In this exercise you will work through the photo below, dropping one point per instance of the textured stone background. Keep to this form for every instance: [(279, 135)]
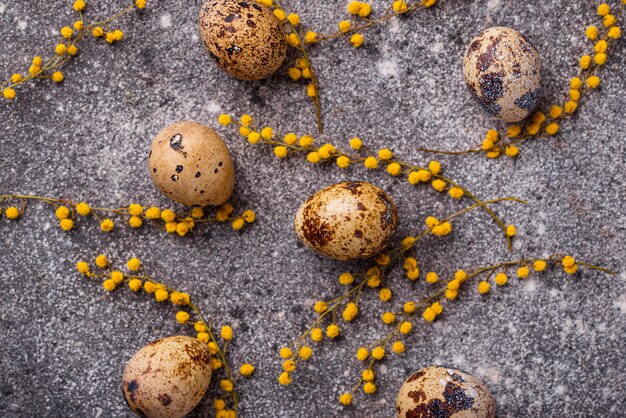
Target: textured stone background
[(550, 346)]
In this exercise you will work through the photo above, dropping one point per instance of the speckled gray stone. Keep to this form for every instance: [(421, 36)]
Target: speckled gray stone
[(550, 346)]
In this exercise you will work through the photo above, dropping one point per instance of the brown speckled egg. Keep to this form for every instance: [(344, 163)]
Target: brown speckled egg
[(243, 37), (167, 378), (503, 72), (191, 164), (438, 391), (347, 220)]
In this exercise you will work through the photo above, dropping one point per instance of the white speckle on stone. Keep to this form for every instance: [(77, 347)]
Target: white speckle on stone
[(554, 293), (2, 7), (213, 107), (309, 303), (559, 390), (46, 226), (530, 285), (165, 20), (492, 4), (458, 359), (437, 48), (280, 315), (541, 229), (620, 303), (194, 37), (383, 369), (388, 68), (98, 413), (394, 26), (518, 242), (21, 24), (347, 373)]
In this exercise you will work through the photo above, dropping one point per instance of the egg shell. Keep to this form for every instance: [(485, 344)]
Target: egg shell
[(243, 37), (438, 391), (347, 220), (168, 377), (503, 73), (191, 164)]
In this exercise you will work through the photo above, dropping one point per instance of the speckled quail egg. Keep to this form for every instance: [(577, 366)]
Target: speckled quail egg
[(191, 164), (347, 220), (243, 37), (438, 391), (503, 72), (167, 378)]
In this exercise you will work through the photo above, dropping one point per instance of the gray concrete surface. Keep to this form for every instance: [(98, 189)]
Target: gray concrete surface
[(551, 346)]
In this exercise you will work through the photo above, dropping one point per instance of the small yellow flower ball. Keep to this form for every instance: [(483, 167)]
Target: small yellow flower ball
[(182, 317), (66, 32), (79, 5), (286, 353), (227, 333), (60, 49), (83, 268), (371, 163), (135, 222), (356, 40), (388, 318), (593, 81), (66, 224), (344, 26), (226, 385), (161, 295), (432, 277), (320, 307), (539, 265), (280, 151), (345, 399), (394, 169), (346, 279), (109, 285), (429, 315), (614, 33), (369, 388), (62, 212), (246, 370), (405, 327), (398, 347), (523, 272), (317, 334), (501, 279), (604, 9), (284, 378), (343, 161), (134, 264), (483, 287), (117, 277), (238, 224), (135, 285), (97, 32), (511, 230), (151, 287), (107, 225), (305, 352), (83, 209), (362, 354), (332, 331), (368, 375), (140, 4), (552, 128), (592, 32)]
